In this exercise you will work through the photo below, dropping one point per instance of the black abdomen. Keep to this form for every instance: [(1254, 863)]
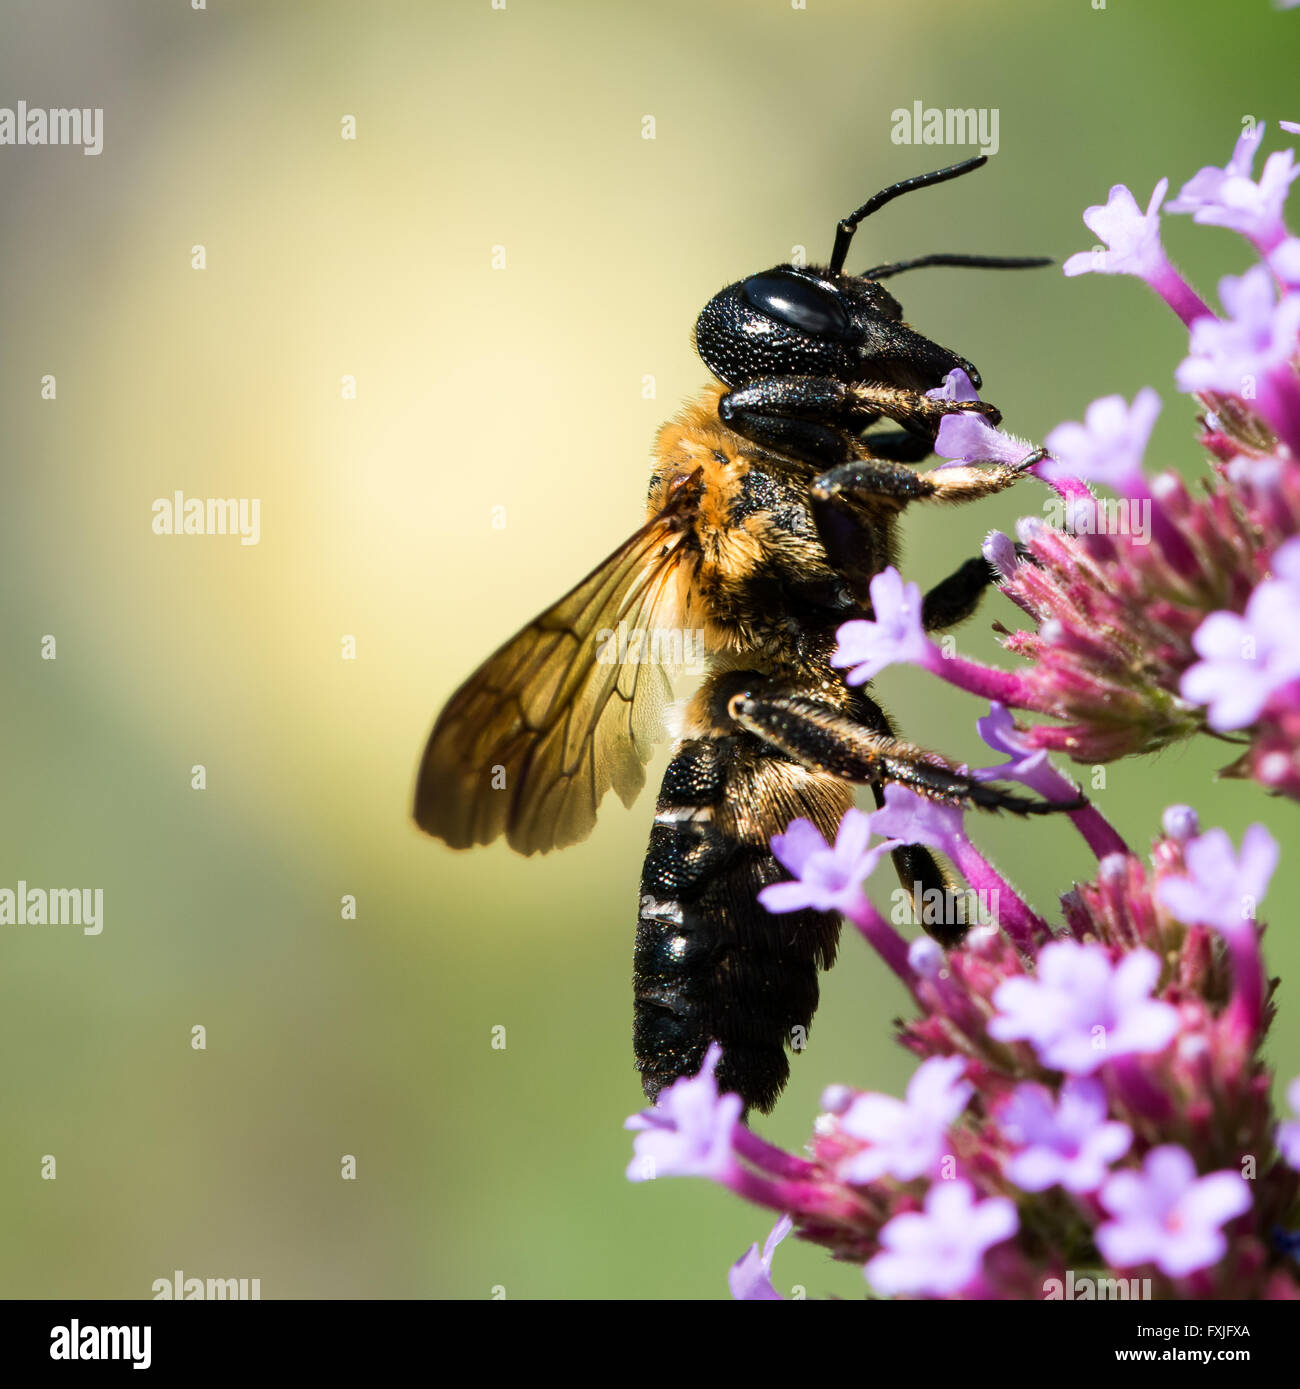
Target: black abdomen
[(711, 964)]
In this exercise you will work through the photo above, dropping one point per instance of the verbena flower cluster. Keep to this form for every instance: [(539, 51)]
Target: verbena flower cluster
[(1164, 610), (1090, 1097)]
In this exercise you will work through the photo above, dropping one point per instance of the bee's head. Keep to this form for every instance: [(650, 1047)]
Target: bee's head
[(811, 321), (818, 321)]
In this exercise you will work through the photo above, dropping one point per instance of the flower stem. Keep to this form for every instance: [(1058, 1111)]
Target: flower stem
[(1179, 295)]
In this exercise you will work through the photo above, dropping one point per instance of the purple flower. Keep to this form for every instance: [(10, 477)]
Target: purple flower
[(970, 438), (908, 1137), (1027, 764), (1131, 236), (909, 818), (1248, 658), (956, 386), (1288, 1132), (941, 1250), (1284, 261), (926, 957), (1070, 1145), (750, 1278), (1204, 187), (1000, 551), (1220, 889), (1229, 197), (689, 1131), (1081, 1011), (1133, 247), (825, 879), (1249, 353), (1180, 822), (1167, 1216), (837, 1098), (895, 635), (1108, 446)]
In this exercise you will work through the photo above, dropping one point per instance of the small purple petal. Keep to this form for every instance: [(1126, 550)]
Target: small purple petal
[(826, 879), (1108, 446), (1000, 551), (956, 386), (1247, 659), (1288, 1132), (1070, 1144), (1165, 1215), (750, 1278), (689, 1131), (1131, 236), (1081, 1011), (1220, 888), (926, 957), (908, 818), (896, 634), (940, 1250), (906, 1138), (1180, 822), (969, 438)]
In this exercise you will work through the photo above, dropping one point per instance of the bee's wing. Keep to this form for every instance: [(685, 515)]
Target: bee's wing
[(530, 743)]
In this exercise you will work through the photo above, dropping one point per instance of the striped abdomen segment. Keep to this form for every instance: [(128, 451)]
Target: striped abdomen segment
[(711, 964)]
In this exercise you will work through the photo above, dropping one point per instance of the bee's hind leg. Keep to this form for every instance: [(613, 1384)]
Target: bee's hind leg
[(827, 739), (920, 873), (866, 752)]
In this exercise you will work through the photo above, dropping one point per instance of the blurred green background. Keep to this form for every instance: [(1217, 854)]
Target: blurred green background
[(477, 388)]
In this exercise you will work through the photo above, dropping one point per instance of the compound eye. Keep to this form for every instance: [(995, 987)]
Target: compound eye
[(799, 303)]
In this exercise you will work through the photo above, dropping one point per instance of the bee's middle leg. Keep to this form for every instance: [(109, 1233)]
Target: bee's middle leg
[(917, 868), (954, 599), (867, 479)]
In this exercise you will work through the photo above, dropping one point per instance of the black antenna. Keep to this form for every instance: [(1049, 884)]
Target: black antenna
[(844, 232), (883, 272)]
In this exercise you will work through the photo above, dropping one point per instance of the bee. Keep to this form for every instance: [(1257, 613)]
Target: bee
[(772, 505)]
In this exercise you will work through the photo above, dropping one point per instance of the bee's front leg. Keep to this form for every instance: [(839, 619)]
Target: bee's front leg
[(915, 410), (814, 418), (809, 418)]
